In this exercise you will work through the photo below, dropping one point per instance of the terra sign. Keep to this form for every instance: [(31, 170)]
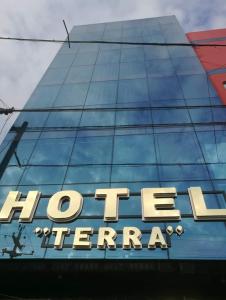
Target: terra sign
[(157, 205)]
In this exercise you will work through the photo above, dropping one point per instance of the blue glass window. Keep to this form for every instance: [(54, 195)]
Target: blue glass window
[(93, 207), (178, 51), (43, 96), (23, 151), (110, 47), (167, 20), (199, 235), (194, 86), (182, 202), (187, 65), (134, 205), (98, 118), (42, 175), (86, 188), (215, 101), (4, 190), (113, 26), (132, 117), (72, 95), (152, 24), (131, 32), (201, 115), (80, 74), (63, 119), (178, 148), (54, 76), (66, 50), (52, 151), (217, 171), (134, 173), (214, 201), (31, 244), (132, 70), (165, 88), (112, 35), (108, 57), (182, 172), (87, 36), (42, 207), (11, 176), (4, 146), (86, 174), (45, 189), (155, 52), (132, 55), (173, 33), (210, 149), (88, 47), (198, 102), (221, 145), (134, 42), (92, 150), (133, 90), (134, 149), (62, 61), (170, 116), (102, 93), (106, 72), (86, 58), (34, 119), (160, 67), (219, 114)]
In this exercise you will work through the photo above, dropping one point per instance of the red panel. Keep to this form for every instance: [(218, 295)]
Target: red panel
[(212, 57), (203, 35), (217, 81)]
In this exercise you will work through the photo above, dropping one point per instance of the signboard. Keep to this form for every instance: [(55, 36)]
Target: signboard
[(158, 205)]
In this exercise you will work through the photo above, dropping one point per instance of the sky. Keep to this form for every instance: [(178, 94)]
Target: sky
[(23, 64)]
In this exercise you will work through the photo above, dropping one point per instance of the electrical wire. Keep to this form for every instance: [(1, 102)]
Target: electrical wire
[(115, 164), (110, 127), (94, 109), (111, 42)]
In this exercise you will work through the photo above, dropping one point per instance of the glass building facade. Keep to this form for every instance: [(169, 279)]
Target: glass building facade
[(132, 116)]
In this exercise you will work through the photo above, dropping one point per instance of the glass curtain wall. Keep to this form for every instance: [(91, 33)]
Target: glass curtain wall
[(146, 117)]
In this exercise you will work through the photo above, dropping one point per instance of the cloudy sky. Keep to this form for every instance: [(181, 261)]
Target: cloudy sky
[(23, 64)]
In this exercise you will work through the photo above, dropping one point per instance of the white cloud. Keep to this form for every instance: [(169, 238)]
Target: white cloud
[(23, 64)]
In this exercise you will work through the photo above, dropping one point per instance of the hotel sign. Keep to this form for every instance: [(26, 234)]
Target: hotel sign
[(157, 204)]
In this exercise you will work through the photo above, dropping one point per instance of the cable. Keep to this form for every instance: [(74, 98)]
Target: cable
[(178, 164), (111, 127), (67, 109), (110, 42)]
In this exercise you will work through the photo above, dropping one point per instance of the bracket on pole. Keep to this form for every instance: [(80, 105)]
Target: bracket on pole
[(68, 39)]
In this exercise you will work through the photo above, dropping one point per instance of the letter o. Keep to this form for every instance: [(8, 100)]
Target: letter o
[(55, 202)]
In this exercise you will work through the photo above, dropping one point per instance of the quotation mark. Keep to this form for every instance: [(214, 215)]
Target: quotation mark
[(178, 230), (39, 231)]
